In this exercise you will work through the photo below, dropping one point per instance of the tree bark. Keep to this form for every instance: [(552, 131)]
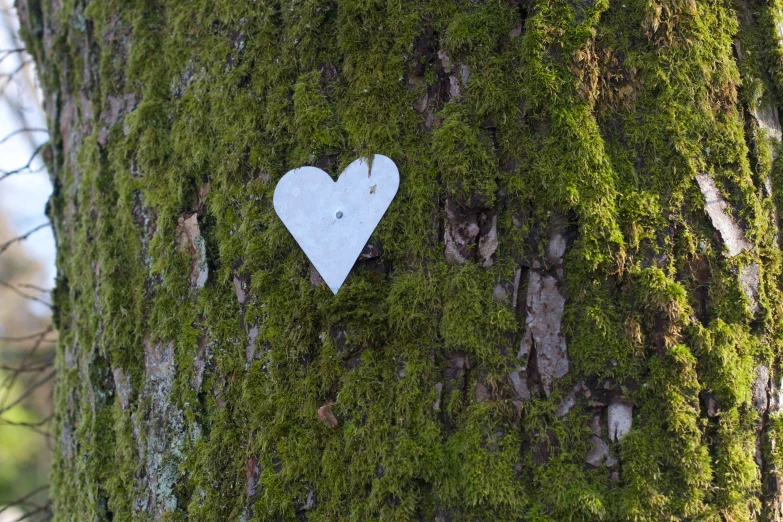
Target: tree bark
[(571, 311)]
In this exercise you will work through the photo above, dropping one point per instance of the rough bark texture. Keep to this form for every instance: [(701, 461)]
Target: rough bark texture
[(572, 310)]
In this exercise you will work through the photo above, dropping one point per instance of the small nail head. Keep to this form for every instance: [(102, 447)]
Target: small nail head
[(339, 214)]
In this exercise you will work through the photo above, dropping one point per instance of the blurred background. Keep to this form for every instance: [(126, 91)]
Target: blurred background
[(26, 276)]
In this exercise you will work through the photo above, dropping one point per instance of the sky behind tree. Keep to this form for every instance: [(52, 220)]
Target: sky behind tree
[(24, 452), (22, 197)]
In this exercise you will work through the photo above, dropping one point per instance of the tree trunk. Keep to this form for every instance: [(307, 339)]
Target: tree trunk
[(571, 311)]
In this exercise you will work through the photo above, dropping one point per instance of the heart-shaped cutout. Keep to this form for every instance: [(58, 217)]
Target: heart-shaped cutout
[(333, 220)]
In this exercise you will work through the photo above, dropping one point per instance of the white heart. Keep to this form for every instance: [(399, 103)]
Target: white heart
[(309, 203)]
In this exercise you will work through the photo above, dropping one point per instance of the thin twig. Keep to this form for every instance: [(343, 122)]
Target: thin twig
[(22, 339), (30, 426), (22, 172), (42, 365), (36, 288), (6, 54), (47, 435), (23, 237), (24, 498), (18, 292), (20, 131), (30, 337), (43, 508), (35, 153), (29, 391), (9, 77), (26, 369), (27, 424), (9, 382)]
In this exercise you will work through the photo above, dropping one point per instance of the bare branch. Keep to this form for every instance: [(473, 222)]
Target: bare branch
[(23, 237), (32, 426), (10, 76), (39, 366), (27, 424), (9, 52), (30, 390), (26, 171), (14, 289), (23, 499), (9, 382), (30, 337), (21, 131), (42, 509), (36, 288), (26, 167), (26, 369)]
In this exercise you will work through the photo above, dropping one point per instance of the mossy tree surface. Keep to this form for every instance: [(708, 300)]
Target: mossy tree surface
[(571, 311)]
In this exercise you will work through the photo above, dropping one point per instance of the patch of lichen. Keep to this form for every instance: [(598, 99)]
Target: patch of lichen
[(231, 95)]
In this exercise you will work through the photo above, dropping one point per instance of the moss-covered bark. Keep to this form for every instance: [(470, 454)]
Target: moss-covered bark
[(572, 310)]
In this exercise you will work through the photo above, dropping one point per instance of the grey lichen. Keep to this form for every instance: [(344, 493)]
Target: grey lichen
[(159, 429)]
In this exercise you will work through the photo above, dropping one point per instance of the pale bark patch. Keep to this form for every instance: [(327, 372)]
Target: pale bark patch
[(67, 443), (500, 294), (488, 243), (599, 454), (310, 503), (776, 394), (458, 76), (199, 364), (439, 393), (545, 307), (71, 357), (191, 242), (159, 434), (620, 419), (123, 386), (733, 237), (482, 393), (766, 117), (250, 348), (240, 290), (253, 472), (749, 280), (716, 206), (519, 381), (568, 403), (556, 248), (760, 398)]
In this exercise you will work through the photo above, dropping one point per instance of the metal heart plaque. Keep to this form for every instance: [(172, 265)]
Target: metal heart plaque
[(333, 220)]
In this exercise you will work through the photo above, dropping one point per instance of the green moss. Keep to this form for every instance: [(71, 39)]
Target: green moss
[(465, 160), (601, 112), (315, 119)]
